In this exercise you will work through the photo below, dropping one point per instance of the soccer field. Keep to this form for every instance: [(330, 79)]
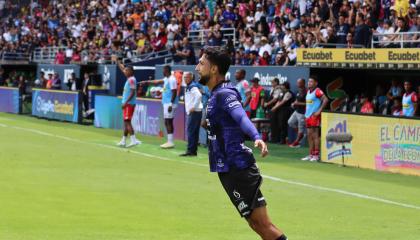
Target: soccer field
[(65, 181)]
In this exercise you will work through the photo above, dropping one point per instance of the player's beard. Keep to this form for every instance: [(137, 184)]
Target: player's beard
[(204, 80)]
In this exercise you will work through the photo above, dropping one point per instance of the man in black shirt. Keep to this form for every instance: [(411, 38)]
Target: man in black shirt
[(284, 111), (187, 52), (297, 120), (342, 28), (362, 31)]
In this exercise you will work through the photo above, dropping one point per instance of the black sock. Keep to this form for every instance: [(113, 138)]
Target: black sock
[(282, 237)]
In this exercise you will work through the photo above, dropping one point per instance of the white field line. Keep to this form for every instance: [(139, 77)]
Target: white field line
[(276, 179)]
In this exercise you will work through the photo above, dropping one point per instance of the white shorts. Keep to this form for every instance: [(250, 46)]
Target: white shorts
[(166, 114)]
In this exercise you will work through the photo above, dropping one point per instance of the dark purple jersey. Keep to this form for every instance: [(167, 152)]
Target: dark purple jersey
[(227, 123)]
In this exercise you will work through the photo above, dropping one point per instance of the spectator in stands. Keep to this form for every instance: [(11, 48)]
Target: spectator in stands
[(284, 111), (244, 89), (56, 82), (215, 36), (367, 106), (257, 97), (60, 57), (362, 32), (187, 52), (297, 120), (316, 101), (388, 29), (275, 95), (415, 28), (395, 90), (409, 100), (342, 28), (265, 47), (193, 108)]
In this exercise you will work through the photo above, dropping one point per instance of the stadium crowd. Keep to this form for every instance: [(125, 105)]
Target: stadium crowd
[(268, 32)]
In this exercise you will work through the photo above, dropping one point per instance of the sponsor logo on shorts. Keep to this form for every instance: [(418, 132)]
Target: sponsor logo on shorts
[(242, 205), (236, 194), (261, 199)]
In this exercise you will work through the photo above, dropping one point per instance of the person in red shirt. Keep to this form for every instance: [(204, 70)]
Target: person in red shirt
[(367, 105), (60, 57), (257, 97)]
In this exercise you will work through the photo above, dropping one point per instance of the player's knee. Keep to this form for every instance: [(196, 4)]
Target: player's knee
[(260, 225)]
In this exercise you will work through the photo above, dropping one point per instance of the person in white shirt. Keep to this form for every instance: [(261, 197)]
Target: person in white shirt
[(193, 108)]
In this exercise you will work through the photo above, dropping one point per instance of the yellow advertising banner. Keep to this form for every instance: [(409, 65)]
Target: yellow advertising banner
[(344, 55), (380, 143)]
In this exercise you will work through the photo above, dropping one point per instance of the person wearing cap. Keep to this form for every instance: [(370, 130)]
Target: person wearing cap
[(266, 47), (228, 16), (257, 97), (259, 13)]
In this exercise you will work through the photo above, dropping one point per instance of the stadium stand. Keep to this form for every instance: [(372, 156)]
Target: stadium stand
[(91, 31)]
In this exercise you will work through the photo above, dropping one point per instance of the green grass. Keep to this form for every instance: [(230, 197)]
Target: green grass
[(65, 181)]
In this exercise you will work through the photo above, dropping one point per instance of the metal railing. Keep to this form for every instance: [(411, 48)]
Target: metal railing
[(200, 37), (48, 54), (15, 57), (336, 45), (133, 56), (401, 40)]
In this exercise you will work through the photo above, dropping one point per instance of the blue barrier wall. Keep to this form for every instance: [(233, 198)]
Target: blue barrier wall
[(10, 100), (147, 118), (108, 112), (56, 104)]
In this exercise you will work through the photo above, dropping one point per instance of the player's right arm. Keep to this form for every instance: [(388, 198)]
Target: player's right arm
[(231, 104)]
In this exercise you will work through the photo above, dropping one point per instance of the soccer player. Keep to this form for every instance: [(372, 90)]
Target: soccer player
[(128, 104), (316, 101), (409, 100), (227, 123), (170, 100)]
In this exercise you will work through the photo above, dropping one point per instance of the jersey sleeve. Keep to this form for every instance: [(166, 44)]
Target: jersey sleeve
[(246, 87), (132, 83), (229, 101), (173, 83), (319, 93), (233, 107), (414, 98)]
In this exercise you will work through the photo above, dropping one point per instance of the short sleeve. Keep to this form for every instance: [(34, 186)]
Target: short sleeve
[(132, 83), (414, 97), (319, 93), (172, 83), (229, 101), (246, 86)]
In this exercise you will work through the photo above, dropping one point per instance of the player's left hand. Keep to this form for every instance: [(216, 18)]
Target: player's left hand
[(262, 146)]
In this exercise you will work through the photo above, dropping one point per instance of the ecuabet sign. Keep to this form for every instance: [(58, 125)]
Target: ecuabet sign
[(344, 55)]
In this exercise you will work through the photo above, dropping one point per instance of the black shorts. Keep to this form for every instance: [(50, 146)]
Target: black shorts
[(243, 188)]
